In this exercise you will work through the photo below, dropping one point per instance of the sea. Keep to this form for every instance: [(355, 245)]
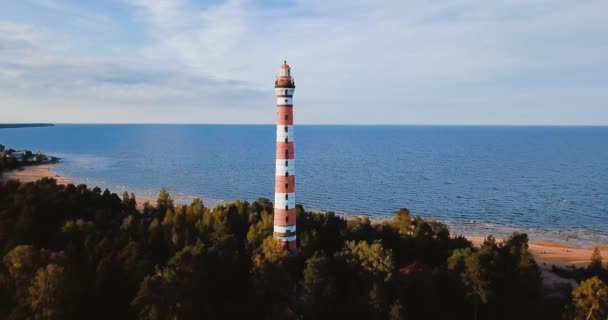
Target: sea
[(550, 182)]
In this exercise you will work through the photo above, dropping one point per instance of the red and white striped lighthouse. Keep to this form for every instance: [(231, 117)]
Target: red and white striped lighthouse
[(285, 180)]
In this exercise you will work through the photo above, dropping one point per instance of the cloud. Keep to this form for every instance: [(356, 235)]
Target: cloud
[(424, 42), (461, 61), (129, 82), (74, 15), (17, 40), (163, 13), (31, 67)]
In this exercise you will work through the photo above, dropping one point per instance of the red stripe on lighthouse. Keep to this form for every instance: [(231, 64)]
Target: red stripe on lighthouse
[(281, 214), (284, 116), (285, 150), (285, 184)]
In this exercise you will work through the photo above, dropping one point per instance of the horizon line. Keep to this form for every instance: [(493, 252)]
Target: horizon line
[(318, 124)]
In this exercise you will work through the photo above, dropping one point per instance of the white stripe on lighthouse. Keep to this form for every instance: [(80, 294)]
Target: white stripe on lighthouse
[(287, 239), (284, 91), (284, 101), (280, 200), (281, 134), (285, 229), (281, 168)]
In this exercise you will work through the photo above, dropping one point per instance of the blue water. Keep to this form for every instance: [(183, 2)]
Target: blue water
[(549, 181)]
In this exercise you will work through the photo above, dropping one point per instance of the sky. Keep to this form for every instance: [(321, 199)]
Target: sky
[(508, 62)]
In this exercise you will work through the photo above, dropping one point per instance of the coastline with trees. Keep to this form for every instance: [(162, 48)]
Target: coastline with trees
[(73, 252), (27, 166), (64, 243), (11, 159), (24, 125), (546, 251)]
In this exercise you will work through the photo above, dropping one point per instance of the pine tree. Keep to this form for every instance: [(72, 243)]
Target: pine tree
[(164, 200), (591, 300), (474, 277), (48, 293), (596, 260)]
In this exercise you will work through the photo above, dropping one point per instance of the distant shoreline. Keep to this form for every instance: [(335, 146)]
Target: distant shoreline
[(388, 125), (24, 125)]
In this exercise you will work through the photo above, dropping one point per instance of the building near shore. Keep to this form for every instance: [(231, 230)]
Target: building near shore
[(285, 180)]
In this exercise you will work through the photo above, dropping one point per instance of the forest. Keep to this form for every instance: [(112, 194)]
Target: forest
[(72, 252)]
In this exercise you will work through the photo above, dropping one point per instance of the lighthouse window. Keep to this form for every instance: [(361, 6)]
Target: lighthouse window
[(286, 217), (286, 197), (287, 174), (286, 153), (285, 139), (285, 92), (286, 129), (286, 185), (286, 117), (286, 163), (286, 100)]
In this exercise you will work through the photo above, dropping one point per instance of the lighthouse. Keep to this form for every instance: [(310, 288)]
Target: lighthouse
[(285, 180)]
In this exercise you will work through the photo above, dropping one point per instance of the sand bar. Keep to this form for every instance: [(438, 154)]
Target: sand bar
[(36, 172)]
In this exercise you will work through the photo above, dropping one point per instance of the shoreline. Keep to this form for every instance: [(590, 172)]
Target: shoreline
[(545, 252), (35, 172), (554, 253)]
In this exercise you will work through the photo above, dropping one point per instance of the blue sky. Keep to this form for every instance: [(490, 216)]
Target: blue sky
[(511, 62)]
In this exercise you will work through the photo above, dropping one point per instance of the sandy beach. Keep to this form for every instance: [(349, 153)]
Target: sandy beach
[(548, 254), (33, 173), (558, 254), (37, 172)]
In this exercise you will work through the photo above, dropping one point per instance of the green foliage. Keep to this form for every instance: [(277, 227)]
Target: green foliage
[(260, 230), (590, 300), (21, 263), (128, 201), (596, 260), (403, 221), (74, 252), (317, 286), (272, 277), (372, 259), (169, 292), (272, 252), (48, 293), (499, 275), (164, 201), (474, 276)]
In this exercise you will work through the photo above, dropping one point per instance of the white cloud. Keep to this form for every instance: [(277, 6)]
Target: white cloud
[(461, 61), (19, 32), (164, 14), (76, 15), (34, 65)]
